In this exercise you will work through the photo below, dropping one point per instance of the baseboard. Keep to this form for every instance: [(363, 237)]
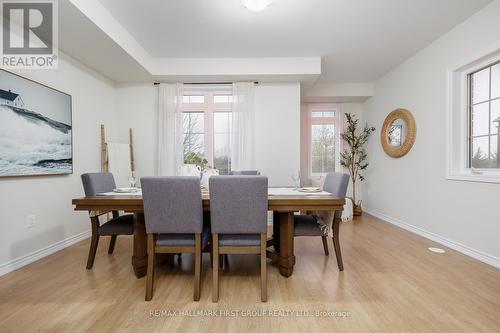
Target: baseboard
[(481, 256), (39, 254)]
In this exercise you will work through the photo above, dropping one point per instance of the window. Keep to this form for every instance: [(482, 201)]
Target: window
[(323, 138), (193, 124), (222, 141), (323, 148), (473, 113), (207, 123), (191, 99), (223, 99), (484, 117)]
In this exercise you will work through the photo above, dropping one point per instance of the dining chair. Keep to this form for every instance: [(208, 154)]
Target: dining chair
[(306, 225), (99, 182), (173, 215), (223, 261), (238, 209), (245, 173)]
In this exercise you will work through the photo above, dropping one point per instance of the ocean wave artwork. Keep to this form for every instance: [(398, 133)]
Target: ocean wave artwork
[(35, 128), (32, 144)]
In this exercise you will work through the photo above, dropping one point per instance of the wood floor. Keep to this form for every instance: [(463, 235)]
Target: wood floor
[(391, 283)]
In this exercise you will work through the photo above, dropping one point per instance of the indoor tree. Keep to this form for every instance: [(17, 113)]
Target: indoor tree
[(354, 157)]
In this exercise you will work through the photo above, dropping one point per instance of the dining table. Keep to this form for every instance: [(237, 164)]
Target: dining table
[(284, 202)]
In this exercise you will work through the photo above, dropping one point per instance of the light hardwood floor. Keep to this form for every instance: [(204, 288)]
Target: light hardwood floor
[(391, 283)]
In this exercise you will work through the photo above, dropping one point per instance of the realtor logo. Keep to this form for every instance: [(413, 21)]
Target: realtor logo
[(29, 34)]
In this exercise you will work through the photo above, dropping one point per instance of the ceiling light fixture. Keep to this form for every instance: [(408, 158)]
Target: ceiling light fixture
[(256, 5)]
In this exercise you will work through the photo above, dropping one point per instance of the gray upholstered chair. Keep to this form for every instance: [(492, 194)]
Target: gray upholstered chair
[(173, 215), (245, 173), (238, 209), (306, 225), (94, 183)]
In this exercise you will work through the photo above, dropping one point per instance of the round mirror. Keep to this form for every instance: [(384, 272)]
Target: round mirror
[(398, 133)]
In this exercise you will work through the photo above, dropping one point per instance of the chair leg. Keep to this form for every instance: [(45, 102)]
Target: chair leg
[(336, 244), (226, 261), (170, 260), (151, 266), (221, 261), (112, 242), (94, 242), (325, 245), (197, 267), (263, 267), (215, 269)]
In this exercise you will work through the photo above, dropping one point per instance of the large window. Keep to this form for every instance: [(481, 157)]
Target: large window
[(207, 123), (323, 138), (473, 116), (484, 117)]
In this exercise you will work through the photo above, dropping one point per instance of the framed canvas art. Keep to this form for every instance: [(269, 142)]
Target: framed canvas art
[(35, 128)]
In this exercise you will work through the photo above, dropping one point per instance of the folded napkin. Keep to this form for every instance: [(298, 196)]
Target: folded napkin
[(104, 194)]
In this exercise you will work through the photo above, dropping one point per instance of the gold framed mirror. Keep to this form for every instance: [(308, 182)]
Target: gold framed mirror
[(398, 133)]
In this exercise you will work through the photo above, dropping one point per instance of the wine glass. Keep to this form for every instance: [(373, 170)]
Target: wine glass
[(296, 178), (132, 179)]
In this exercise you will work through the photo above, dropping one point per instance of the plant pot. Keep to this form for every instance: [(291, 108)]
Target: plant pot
[(357, 210)]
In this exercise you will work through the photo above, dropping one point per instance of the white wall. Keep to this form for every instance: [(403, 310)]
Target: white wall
[(277, 125), (136, 107), (413, 189), (49, 197)]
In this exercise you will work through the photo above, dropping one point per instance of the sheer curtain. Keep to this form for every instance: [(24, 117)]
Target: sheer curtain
[(243, 127), (170, 145)]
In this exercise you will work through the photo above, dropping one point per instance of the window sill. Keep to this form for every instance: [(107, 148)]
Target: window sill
[(487, 177)]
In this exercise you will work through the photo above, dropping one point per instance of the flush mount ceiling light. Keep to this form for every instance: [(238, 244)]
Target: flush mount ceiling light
[(256, 5)]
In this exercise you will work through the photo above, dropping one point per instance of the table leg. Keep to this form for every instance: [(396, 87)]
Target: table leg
[(140, 256), (287, 257), (276, 231)]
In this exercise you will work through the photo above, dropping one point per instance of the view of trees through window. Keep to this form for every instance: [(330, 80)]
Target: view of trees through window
[(207, 123), (193, 139), (484, 101), (322, 140), (323, 148), (222, 141)]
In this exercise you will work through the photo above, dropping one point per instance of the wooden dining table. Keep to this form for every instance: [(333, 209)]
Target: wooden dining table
[(280, 245)]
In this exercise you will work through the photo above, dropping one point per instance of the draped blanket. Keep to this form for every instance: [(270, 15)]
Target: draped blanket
[(325, 218)]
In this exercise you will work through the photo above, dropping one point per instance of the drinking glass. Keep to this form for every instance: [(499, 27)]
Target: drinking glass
[(132, 179), (296, 178)]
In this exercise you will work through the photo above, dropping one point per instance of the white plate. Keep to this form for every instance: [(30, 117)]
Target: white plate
[(309, 189), (126, 190)]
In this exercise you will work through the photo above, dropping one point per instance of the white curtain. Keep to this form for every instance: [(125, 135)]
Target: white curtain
[(243, 136), (170, 145)]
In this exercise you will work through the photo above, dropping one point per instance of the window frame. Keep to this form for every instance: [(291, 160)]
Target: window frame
[(470, 110), (459, 122), (335, 121), (209, 107)]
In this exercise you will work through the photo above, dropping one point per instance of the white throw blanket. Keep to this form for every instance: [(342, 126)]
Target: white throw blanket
[(347, 213), (325, 218), (119, 162)]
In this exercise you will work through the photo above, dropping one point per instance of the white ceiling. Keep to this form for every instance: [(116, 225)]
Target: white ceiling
[(358, 40), (82, 40)]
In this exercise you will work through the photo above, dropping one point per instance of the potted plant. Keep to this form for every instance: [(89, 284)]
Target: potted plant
[(354, 157)]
